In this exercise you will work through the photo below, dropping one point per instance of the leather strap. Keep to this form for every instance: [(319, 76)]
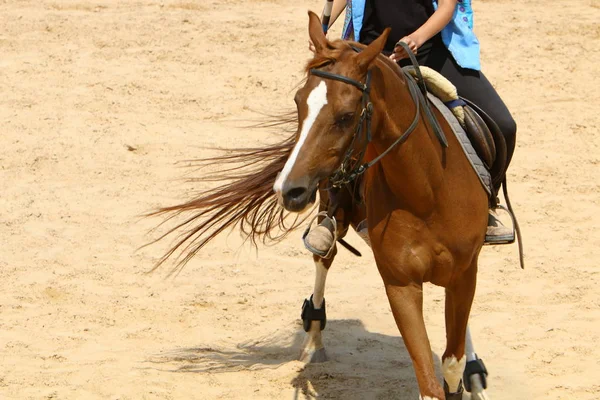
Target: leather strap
[(351, 166), (364, 87)]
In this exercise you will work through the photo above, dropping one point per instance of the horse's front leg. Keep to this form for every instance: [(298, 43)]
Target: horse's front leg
[(460, 352), (314, 316), (406, 301)]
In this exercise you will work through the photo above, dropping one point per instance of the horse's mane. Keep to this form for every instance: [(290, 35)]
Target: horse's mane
[(243, 198)]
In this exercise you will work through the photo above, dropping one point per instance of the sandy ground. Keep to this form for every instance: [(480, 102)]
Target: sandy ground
[(101, 99)]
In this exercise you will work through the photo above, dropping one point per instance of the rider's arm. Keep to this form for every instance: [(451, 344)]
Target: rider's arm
[(438, 21), (338, 7)]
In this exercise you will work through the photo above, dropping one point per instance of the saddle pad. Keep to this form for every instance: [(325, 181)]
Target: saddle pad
[(484, 176), (441, 88)]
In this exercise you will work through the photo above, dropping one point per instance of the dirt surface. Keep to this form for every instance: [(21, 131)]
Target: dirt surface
[(101, 100)]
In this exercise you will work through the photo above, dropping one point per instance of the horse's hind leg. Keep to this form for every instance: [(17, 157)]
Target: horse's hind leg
[(475, 376), (313, 315), (313, 309), (459, 297)]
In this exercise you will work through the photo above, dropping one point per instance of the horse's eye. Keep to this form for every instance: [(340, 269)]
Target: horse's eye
[(344, 119)]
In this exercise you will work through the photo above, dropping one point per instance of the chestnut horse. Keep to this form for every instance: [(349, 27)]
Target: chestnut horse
[(425, 208)]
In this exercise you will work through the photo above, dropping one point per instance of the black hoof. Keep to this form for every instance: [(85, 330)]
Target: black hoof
[(456, 395), (475, 367)]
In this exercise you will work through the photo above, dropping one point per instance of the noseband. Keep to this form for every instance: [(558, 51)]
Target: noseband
[(352, 166)]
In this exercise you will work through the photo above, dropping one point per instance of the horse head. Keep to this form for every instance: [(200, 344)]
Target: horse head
[(329, 112)]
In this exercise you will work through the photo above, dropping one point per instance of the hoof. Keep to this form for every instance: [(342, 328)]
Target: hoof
[(314, 356), (453, 396)]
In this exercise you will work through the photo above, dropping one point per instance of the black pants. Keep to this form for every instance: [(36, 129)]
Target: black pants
[(472, 85)]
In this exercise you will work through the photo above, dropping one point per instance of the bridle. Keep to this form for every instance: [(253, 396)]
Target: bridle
[(352, 165)]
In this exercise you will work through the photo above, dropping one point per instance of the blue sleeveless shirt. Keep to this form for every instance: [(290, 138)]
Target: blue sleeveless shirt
[(458, 35)]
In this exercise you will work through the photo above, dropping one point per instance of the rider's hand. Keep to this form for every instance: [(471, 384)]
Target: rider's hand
[(399, 52)]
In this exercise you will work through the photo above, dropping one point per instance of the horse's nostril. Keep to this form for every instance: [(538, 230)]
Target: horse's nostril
[(297, 197), (296, 193)]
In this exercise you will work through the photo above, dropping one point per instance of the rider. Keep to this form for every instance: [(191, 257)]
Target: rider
[(440, 35)]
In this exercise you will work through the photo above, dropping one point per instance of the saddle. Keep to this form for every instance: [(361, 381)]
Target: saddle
[(483, 133), (487, 140), (477, 133)]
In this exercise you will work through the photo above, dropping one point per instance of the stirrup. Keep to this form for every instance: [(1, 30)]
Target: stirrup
[(504, 239), (322, 254)]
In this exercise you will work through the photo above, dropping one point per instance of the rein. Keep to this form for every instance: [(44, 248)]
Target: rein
[(348, 170)]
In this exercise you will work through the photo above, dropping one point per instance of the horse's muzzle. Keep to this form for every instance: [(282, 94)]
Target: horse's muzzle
[(298, 199)]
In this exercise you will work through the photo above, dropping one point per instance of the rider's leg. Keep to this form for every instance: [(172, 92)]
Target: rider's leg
[(474, 86)]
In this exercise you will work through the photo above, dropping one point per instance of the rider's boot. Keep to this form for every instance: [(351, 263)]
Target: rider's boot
[(496, 232)]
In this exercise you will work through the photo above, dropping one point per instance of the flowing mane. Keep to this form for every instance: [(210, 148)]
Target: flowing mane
[(242, 199)]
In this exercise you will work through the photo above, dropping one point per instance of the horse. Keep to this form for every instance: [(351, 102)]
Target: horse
[(362, 127)]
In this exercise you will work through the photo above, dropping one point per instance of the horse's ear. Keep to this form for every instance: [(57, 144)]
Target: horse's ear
[(366, 57), (315, 32)]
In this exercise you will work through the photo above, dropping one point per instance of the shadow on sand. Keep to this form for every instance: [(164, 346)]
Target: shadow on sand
[(362, 364)]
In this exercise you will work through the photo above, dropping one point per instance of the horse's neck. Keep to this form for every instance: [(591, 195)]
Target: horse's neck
[(412, 171)]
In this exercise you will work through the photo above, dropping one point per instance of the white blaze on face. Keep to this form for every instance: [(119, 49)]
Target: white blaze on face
[(315, 101)]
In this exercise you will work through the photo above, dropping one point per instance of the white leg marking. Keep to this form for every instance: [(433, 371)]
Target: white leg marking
[(453, 372), (469, 348), (428, 398), (315, 101), (319, 291), (477, 390), (313, 349)]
